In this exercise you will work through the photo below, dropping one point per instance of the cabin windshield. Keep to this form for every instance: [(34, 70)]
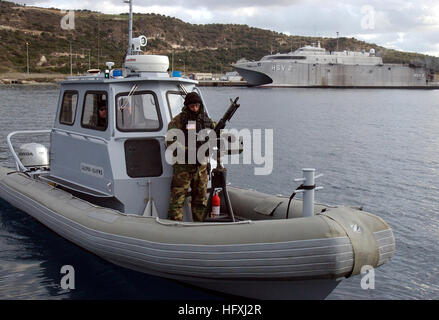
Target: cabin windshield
[(137, 112), (175, 102)]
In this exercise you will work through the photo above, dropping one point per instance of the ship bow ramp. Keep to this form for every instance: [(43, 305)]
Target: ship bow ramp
[(253, 78)]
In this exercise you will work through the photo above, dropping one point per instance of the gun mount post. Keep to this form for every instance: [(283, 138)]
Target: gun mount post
[(219, 174)]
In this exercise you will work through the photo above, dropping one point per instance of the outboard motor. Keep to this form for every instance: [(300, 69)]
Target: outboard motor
[(34, 156)]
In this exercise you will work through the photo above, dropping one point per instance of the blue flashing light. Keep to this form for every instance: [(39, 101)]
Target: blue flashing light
[(117, 73)]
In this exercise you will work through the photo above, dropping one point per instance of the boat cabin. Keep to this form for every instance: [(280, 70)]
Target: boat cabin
[(108, 139)]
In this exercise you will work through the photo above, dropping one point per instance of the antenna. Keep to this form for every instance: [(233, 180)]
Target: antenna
[(337, 41), (134, 44), (130, 32), (99, 28)]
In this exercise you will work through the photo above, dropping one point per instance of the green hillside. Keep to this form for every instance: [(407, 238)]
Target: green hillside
[(100, 37)]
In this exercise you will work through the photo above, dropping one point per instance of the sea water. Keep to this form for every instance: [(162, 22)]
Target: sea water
[(377, 148)]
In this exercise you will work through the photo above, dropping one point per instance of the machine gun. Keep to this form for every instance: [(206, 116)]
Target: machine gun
[(222, 124), (227, 116), (219, 174)]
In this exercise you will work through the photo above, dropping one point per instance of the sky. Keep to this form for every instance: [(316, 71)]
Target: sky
[(397, 24)]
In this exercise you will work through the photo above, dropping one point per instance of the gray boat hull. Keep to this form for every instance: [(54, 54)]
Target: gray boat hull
[(276, 259)]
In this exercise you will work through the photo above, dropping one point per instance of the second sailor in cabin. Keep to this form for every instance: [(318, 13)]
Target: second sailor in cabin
[(186, 174), (102, 114)]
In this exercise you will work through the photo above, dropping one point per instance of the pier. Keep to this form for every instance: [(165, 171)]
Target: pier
[(219, 83)]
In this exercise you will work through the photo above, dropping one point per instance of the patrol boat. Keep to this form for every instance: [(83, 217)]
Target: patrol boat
[(106, 188)]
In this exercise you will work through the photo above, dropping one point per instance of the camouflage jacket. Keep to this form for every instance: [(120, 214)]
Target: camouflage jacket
[(181, 120)]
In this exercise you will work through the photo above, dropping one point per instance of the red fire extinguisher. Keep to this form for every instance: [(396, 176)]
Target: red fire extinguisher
[(216, 202)]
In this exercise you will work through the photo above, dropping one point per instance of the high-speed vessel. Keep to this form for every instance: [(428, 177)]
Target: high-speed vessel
[(106, 188), (313, 66)]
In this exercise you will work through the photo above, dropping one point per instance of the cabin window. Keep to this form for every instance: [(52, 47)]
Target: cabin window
[(142, 158), (95, 111), (175, 102), (137, 112), (68, 107)]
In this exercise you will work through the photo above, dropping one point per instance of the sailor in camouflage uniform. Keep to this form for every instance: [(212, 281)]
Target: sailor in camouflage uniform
[(187, 175)]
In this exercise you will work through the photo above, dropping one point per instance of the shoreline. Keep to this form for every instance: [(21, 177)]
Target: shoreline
[(31, 78), (48, 79), (53, 79)]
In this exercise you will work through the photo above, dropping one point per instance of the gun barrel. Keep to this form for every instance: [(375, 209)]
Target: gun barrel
[(227, 116)]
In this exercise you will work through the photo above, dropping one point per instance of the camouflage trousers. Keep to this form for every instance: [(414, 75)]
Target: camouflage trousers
[(185, 176)]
